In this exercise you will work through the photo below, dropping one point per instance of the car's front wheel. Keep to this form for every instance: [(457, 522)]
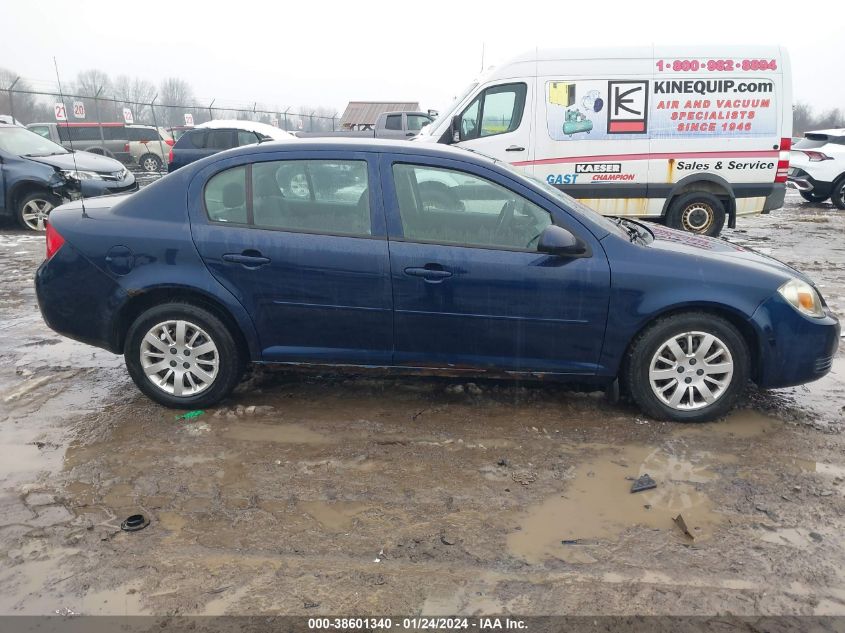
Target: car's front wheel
[(687, 367), (182, 355), (34, 209)]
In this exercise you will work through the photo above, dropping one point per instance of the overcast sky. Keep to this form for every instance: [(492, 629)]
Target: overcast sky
[(327, 53)]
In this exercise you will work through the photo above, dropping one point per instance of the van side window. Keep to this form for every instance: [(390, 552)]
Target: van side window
[(497, 110), (445, 206)]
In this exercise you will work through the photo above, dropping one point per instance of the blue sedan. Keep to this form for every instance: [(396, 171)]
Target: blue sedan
[(421, 259)]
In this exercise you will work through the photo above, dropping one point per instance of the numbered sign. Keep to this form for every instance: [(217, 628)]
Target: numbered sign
[(189, 119), (61, 113), (127, 116), (78, 110), (274, 121)]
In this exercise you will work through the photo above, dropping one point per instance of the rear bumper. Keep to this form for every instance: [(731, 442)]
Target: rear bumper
[(802, 181), (78, 300), (794, 349)]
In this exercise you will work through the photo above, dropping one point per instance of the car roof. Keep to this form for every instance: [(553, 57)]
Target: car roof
[(397, 146), (249, 126)]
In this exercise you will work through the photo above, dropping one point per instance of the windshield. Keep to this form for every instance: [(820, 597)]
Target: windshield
[(446, 113), (21, 142)]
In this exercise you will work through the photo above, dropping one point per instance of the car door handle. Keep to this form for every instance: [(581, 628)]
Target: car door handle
[(514, 148), (250, 259), (429, 274)]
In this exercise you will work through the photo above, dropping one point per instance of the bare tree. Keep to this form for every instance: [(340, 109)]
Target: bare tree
[(22, 104), (805, 120), (136, 93), (174, 91)]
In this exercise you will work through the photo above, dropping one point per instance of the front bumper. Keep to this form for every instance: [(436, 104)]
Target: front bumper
[(793, 349)]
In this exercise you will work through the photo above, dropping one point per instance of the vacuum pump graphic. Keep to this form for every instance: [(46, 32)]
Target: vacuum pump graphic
[(576, 121)]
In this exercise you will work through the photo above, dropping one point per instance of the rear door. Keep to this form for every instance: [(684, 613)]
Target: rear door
[(299, 239), (470, 288)]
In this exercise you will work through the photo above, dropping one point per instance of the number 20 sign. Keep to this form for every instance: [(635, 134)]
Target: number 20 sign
[(78, 110)]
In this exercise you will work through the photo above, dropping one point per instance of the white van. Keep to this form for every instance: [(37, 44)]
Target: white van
[(688, 135)]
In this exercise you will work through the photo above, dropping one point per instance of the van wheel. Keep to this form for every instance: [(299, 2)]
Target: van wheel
[(809, 196), (837, 194), (687, 367), (102, 151), (182, 356), (697, 212), (150, 162), (33, 210)]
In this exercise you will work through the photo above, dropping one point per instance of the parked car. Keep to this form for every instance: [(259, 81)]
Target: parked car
[(817, 167), (36, 175), (215, 136), (217, 265), (693, 137), (148, 147), (8, 119), (388, 125), (107, 139)]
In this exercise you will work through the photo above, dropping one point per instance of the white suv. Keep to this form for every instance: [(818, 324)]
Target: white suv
[(817, 167)]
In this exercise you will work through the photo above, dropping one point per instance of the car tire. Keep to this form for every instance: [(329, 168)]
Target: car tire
[(155, 367), (697, 212), (150, 162), (670, 388), (837, 194), (33, 209), (809, 196)]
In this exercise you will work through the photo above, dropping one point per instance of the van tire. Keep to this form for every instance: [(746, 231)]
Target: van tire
[(697, 212), (96, 149), (837, 193)]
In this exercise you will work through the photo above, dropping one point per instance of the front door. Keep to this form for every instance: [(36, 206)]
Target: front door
[(498, 123), (470, 288), (301, 243)]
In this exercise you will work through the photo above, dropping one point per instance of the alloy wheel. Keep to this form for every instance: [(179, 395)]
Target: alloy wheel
[(691, 371), (35, 213), (179, 357)]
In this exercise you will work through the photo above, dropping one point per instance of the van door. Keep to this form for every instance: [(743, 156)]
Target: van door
[(592, 135), (498, 122)]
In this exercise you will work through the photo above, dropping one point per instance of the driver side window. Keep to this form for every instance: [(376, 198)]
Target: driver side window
[(497, 110), (446, 206)]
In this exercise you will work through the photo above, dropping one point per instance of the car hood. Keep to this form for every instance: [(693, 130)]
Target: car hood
[(713, 248), (83, 161)]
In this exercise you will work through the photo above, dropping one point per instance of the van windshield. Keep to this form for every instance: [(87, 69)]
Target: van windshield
[(437, 127), (21, 142)]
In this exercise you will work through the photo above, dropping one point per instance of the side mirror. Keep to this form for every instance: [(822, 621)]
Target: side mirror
[(556, 240), (456, 128)]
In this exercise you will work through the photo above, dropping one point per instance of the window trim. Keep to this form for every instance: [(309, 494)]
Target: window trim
[(482, 96), (511, 249)]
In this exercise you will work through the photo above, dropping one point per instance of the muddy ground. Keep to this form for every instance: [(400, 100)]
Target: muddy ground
[(358, 495)]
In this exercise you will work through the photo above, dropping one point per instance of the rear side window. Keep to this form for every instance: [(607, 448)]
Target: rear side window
[(225, 196), (308, 196), (394, 122), (219, 139), (141, 134)]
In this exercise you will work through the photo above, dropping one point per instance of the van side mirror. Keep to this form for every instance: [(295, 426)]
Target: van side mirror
[(556, 240), (456, 128)]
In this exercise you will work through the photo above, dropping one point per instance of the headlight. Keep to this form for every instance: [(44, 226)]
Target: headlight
[(803, 297), (81, 175)]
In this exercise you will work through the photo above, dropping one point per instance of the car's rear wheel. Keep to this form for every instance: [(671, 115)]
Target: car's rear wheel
[(150, 162), (182, 355), (687, 367), (837, 194), (810, 196), (697, 212), (34, 209)]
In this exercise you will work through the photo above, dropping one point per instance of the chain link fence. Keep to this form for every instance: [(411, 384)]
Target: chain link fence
[(37, 106)]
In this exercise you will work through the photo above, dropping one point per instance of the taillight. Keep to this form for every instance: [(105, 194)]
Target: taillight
[(783, 160), (169, 157), (54, 240), (785, 144), (170, 142), (816, 157), (126, 147)]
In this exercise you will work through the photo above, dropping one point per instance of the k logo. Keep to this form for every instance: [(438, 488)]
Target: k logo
[(628, 111)]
